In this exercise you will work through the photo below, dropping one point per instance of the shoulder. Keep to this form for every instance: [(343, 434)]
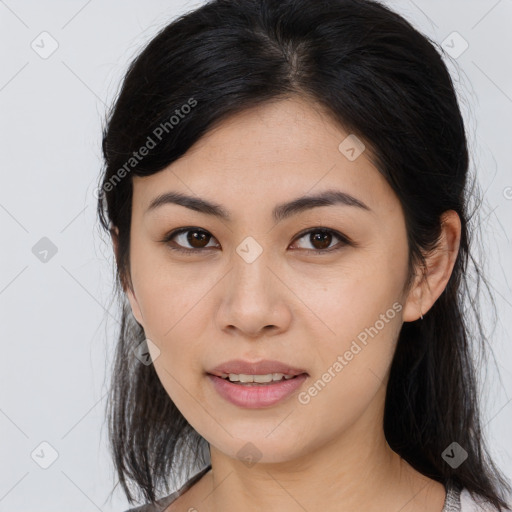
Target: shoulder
[(162, 504), (472, 503), (158, 506), (461, 500)]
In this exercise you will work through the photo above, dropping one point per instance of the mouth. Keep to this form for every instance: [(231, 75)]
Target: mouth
[(256, 391), (254, 385), (243, 379), (265, 371)]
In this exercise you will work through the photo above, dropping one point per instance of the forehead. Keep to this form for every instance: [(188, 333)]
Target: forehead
[(278, 150), (273, 133)]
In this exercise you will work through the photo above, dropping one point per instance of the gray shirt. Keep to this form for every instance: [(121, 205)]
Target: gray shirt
[(457, 500)]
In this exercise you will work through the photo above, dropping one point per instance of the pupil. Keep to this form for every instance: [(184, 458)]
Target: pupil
[(323, 238), (193, 240)]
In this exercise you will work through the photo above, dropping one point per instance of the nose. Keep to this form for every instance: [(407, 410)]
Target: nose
[(254, 300)]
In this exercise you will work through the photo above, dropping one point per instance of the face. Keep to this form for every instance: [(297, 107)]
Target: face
[(319, 288)]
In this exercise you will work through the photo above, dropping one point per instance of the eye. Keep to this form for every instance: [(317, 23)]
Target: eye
[(198, 238), (320, 238)]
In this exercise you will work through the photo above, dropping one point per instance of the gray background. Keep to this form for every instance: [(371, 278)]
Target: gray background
[(57, 318)]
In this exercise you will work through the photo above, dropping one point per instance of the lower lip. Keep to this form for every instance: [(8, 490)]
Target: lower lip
[(254, 397)]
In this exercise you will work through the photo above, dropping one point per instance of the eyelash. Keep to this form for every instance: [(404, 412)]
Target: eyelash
[(343, 239)]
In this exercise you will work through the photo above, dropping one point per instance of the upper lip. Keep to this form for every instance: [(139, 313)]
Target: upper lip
[(239, 366)]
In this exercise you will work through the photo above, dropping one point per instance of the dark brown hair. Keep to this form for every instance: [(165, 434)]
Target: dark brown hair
[(381, 80)]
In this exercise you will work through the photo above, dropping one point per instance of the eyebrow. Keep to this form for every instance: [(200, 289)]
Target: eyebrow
[(279, 213)]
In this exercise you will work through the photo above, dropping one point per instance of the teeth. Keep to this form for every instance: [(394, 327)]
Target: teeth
[(261, 379)]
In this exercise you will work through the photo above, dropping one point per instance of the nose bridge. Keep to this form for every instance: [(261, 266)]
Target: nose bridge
[(251, 295), (251, 276)]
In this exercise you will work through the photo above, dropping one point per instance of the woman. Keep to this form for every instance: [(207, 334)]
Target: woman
[(286, 189)]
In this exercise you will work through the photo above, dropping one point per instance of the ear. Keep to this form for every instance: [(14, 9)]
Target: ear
[(128, 289), (114, 233), (437, 271)]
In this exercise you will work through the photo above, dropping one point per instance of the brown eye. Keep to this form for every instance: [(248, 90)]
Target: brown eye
[(321, 239), (198, 239), (188, 239)]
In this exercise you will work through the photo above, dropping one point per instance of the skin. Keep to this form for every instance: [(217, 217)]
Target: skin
[(289, 305)]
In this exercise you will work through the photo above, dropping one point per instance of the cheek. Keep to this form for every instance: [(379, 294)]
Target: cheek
[(171, 302), (362, 307), (351, 372), (168, 294), (354, 296), (174, 323)]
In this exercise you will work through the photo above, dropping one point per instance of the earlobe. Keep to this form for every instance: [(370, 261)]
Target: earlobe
[(137, 313), (114, 233), (413, 307), (438, 268)]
